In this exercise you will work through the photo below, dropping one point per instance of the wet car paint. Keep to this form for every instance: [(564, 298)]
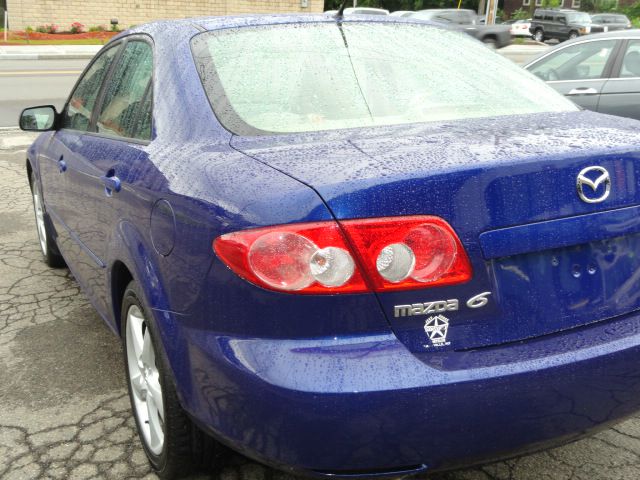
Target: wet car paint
[(326, 384)]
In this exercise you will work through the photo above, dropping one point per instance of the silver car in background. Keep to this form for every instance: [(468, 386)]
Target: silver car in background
[(599, 72)]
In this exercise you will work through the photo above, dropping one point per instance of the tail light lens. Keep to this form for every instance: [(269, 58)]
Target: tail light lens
[(301, 258), (381, 254), (408, 252)]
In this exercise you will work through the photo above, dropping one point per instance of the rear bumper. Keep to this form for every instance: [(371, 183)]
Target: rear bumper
[(366, 405)]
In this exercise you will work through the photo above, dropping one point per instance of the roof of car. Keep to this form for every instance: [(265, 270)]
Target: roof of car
[(168, 33), (613, 34), (635, 33), (188, 27)]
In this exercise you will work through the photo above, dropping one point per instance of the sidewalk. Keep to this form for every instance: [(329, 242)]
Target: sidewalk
[(47, 52)]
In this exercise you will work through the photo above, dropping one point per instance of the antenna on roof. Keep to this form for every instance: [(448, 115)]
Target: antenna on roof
[(340, 11)]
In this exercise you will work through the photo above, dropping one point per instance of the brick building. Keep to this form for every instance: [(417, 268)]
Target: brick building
[(531, 5), (24, 13)]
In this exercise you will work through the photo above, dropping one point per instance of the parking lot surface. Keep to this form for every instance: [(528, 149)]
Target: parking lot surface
[(64, 411)]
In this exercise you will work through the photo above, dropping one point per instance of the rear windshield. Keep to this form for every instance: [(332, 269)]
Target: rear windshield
[(322, 76)]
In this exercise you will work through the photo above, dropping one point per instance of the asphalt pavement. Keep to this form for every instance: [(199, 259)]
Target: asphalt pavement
[(26, 83), (64, 410)]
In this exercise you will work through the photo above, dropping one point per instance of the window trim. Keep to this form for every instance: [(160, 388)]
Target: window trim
[(526, 3), (121, 43), (575, 3)]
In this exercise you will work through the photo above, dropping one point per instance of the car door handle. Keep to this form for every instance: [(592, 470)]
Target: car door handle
[(62, 165), (111, 183), (583, 91)]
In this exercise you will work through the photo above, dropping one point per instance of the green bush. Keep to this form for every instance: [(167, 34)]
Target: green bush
[(520, 14), (98, 28)]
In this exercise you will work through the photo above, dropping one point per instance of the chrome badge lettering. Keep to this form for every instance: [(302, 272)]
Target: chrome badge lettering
[(425, 308), (479, 300), (439, 306)]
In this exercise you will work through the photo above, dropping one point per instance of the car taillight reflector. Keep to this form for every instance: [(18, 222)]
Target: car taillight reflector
[(393, 253), (408, 252)]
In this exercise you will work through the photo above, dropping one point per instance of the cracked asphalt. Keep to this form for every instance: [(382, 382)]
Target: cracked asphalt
[(64, 410)]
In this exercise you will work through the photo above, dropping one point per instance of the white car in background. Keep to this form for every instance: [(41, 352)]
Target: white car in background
[(520, 28)]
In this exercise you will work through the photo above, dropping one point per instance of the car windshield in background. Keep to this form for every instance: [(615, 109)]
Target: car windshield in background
[(579, 17), (320, 76)]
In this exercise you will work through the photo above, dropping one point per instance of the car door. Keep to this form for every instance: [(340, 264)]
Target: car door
[(578, 71), (101, 160), (75, 121), (621, 93)]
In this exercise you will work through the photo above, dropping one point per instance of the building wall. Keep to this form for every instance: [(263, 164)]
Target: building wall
[(23, 13), (511, 5)]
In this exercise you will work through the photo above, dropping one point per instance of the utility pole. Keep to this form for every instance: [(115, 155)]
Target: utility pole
[(492, 10)]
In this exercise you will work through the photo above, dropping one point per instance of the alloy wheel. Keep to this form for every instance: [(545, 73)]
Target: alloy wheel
[(144, 377), (39, 211)]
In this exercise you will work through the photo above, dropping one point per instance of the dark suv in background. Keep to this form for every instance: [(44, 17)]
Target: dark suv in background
[(608, 22), (559, 24)]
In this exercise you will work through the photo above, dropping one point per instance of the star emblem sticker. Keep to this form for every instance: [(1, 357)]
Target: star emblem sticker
[(436, 328)]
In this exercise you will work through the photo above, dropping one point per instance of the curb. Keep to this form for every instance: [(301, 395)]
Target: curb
[(46, 56)]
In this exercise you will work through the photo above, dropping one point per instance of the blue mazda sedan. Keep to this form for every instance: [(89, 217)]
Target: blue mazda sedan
[(345, 247)]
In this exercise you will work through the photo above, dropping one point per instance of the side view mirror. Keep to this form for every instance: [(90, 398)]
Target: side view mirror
[(38, 119)]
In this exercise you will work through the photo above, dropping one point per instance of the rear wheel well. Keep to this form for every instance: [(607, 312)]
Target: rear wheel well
[(120, 278)]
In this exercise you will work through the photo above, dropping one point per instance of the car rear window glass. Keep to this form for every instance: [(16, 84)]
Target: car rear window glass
[(122, 108), (320, 76)]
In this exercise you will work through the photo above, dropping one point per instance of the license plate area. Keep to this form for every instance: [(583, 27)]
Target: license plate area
[(552, 290)]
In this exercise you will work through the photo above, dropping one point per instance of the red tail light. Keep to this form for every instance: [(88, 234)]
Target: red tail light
[(395, 253)]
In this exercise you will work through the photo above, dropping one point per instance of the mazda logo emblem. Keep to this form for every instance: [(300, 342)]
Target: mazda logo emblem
[(593, 178)]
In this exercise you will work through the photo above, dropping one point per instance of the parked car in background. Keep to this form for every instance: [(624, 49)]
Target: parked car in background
[(519, 28), (559, 24), (495, 36), (360, 11), (402, 13), (608, 22), (600, 72), (351, 248)]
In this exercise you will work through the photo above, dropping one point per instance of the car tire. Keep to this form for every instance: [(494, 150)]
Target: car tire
[(490, 42), (174, 445), (48, 245), (538, 35), (573, 34)]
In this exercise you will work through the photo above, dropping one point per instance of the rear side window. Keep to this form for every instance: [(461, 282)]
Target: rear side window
[(126, 108), (77, 114), (631, 61)]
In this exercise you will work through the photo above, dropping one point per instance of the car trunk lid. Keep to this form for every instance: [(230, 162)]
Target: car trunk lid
[(544, 260)]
